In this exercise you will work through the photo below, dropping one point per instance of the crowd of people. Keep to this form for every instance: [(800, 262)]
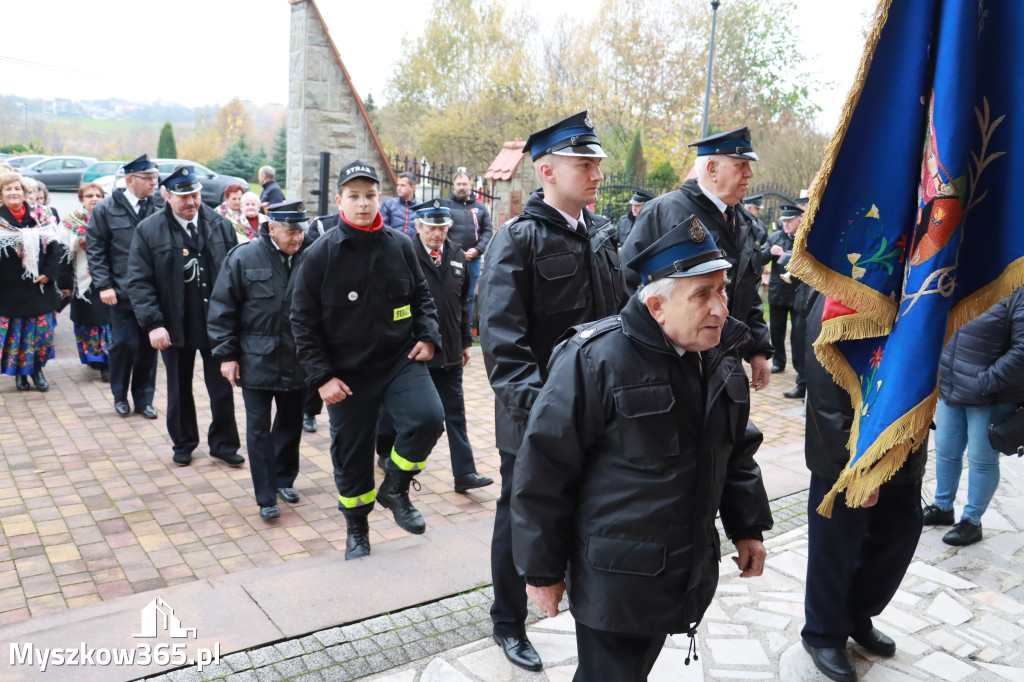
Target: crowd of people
[(615, 352)]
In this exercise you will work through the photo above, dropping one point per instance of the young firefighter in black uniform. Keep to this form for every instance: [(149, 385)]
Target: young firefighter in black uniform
[(252, 335), (365, 325)]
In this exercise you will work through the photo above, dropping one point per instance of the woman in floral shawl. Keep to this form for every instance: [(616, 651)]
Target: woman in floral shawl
[(246, 226), (90, 317), (30, 262)]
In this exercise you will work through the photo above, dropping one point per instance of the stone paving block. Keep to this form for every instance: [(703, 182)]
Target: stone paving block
[(355, 631), (291, 667), (365, 647), (239, 661), (248, 676), (184, 675), (308, 677), (329, 637), (290, 648), (317, 660), (388, 640), (342, 652), (216, 671), (310, 644), (264, 656)]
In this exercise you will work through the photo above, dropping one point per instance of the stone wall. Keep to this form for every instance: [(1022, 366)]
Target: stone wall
[(324, 111)]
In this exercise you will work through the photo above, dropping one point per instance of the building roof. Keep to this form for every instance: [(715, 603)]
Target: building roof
[(508, 159)]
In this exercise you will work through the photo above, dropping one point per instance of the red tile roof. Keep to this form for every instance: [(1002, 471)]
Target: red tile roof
[(504, 165)]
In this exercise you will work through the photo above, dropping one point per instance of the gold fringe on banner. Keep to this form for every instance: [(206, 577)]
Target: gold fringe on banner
[(1011, 279)]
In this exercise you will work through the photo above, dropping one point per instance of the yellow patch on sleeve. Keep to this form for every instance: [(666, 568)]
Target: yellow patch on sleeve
[(402, 313)]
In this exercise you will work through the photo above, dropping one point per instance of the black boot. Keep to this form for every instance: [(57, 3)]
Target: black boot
[(394, 495), (358, 543), (21, 382), (40, 381)]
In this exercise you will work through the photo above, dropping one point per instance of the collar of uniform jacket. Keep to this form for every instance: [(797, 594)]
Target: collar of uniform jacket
[(537, 207)]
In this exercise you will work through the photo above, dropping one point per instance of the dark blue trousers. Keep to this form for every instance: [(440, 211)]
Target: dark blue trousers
[(132, 359), (508, 612), (273, 448), (222, 436), (856, 560)]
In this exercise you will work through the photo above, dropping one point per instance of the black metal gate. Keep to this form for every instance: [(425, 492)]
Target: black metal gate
[(436, 182)]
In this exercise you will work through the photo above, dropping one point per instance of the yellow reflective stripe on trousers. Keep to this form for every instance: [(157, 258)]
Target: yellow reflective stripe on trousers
[(404, 464), (353, 502)]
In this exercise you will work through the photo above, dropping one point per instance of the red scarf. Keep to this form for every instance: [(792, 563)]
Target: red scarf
[(378, 223), (254, 222), (18, 215)]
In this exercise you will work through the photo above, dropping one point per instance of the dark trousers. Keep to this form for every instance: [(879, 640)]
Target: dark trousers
[(409, 396), (800, 342), (132, 359), (313, 403), (448, 382), (273, 449), (181, 407), (856, 560), (508, 612), (615, 656), (777, 316)]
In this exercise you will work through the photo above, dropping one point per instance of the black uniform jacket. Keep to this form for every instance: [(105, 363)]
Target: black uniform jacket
[(108, 243), (779, 293), (740, 244), (449, 287), (830, 415), (540, 279), (19, 296), (361, 302), (471, 224), (624, 467), (156, 279), (249, 317)]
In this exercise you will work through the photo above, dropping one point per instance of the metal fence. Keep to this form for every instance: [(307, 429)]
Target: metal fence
[(616, 189), (436, 182), (773, 195)]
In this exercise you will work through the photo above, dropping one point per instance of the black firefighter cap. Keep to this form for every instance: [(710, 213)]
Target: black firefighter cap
[(140, 165), (734, 143), (433, 213), (182, 181), (788, 211), (574, 136), (357, 169), (640, 197), (753, 200), (291, 214), (687, 250)]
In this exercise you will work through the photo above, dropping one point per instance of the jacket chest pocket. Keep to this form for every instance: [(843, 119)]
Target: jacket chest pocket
[(399, 288), (559, 290), (737, 388), (258, 282), (645, 420)]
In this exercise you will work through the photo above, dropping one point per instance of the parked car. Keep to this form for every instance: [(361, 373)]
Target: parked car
[(100, 169), (213, 183), (59, 172), (22, 161)]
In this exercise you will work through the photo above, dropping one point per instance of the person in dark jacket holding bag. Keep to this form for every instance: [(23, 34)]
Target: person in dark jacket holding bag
[(471, 229), (252, 335), (857, 558), (980, 383), (548, 269), (175, 258), (635, 443)]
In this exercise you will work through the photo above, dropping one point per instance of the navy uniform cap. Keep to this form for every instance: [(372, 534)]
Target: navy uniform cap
[(433, 213), (640, 197), (291, 214), (357, 169), (753, 200), (574, 136), (140, 165), (734, 143), (787, 211), (182, 181), (687, 250)]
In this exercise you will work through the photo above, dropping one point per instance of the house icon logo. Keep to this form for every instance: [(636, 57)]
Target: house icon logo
[(158, 615)]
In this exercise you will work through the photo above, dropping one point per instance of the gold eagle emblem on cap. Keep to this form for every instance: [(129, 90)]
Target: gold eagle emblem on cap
[(697, 233), (587, 122)]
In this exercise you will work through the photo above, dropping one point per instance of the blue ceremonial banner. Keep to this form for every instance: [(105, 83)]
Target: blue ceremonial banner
[(912, 228)]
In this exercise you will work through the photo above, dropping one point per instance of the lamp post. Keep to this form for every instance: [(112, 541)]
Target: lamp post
[(711, 62)]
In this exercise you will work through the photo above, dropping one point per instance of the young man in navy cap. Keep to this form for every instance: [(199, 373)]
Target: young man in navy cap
[(625, 226), (252, 335), (108, 241), (635, 443), (723, 176), (547, 269), (365, 325), (175, 258)]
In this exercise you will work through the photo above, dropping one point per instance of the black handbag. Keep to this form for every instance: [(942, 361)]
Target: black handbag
[(1008, 436)]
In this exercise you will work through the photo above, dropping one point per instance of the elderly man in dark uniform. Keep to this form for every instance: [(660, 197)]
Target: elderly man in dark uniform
[(714, 196), (548, 269), (636, 442), (625, 226), (365, 325), (250, 327), (777, 250), (175, 258), (108, 241)]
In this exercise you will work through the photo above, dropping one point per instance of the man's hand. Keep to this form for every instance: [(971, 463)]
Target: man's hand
[(64, 293), (160, 339), (230, 371), (751, 558), (471, 254), (871, 501), (760, 372), (423, 351), (465, 356), (41, 279), (547, 598), (109, 296), (334, 391), (777, 250)]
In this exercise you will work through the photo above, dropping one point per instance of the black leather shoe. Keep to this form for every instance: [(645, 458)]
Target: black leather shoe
[(40, 381), (104, 374), (234, 459), (271, 512), (382, 462), (519, 652), (147, 411), (309, 423), (357, 544), (876, 641), (963, 533), (21, 382), (394, 495), (778, 369), (933, 516), (797, 393), (288, 494), (182, 459), (122, 408), (835, 664), (470, 481)]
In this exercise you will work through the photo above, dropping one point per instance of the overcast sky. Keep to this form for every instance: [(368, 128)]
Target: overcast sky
[(208, 51)]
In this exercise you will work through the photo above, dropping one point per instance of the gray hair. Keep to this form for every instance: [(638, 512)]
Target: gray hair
[(701, 165), (250, 195), (660, 287), (268, 171), (461, 173), (406, 175)]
